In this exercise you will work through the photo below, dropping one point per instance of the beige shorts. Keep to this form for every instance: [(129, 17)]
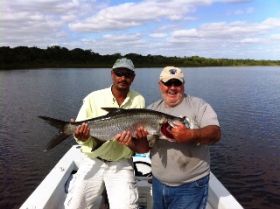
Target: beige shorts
[(93, 176)]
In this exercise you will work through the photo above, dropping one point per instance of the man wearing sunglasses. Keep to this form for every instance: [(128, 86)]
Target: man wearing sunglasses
[(181, 168), (109, 164)]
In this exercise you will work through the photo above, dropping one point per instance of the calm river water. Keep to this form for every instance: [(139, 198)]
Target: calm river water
[(246, 99)]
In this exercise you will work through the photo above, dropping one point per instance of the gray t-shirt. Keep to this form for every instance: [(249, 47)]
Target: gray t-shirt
[(178, 163)]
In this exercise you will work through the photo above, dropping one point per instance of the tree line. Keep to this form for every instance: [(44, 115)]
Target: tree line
[(23, 57)]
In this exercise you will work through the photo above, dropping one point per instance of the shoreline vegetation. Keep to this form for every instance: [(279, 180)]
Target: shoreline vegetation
[(23, 57)]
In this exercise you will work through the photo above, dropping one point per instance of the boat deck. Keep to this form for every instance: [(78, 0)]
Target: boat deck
[(51, 192)]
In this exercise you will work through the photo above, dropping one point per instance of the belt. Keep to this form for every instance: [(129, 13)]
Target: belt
[(105, 161)]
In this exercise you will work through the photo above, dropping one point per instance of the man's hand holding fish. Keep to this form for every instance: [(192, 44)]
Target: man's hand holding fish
[(136, 141)]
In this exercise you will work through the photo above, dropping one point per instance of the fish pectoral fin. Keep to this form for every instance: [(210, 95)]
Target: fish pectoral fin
[(98, 143), (152, 139)]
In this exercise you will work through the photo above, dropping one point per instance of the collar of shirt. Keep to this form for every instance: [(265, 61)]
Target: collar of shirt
[(115, 100)]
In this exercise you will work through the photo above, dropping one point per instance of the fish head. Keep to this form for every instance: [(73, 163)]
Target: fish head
[(185, 120), (167, 125), (165, 130)]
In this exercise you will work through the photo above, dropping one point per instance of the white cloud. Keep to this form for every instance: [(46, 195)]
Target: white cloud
[(147, 26), (243, 11), (117, 39), (227, 39), (250, 40), (134, 14), (234, 31), (187, 33), (271, 23), (35, 22)]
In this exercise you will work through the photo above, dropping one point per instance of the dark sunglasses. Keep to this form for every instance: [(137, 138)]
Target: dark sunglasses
[(127, 74), (172, 83)]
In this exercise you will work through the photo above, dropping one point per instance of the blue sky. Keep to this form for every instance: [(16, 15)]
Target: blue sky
[(208, 28)]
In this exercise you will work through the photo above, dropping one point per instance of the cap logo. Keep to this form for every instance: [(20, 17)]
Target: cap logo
[(172, 71)]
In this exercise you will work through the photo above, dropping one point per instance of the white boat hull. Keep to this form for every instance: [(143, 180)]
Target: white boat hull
[(51, 193)]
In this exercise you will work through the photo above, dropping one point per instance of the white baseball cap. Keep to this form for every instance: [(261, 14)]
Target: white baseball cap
[(171, 72)]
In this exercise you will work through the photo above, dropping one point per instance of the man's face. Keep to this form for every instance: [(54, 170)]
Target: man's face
[(172, 92), (122, 78)]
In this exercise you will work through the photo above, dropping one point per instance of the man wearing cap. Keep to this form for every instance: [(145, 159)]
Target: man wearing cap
[(181, 168), (109, 164)]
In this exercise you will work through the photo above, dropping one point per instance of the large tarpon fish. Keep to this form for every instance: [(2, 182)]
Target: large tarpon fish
[(105, 127)]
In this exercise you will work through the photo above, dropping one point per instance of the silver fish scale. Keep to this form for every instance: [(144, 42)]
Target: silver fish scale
[(106, 128)]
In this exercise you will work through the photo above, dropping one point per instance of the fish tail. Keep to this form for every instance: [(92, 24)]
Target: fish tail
[(61, 136)]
